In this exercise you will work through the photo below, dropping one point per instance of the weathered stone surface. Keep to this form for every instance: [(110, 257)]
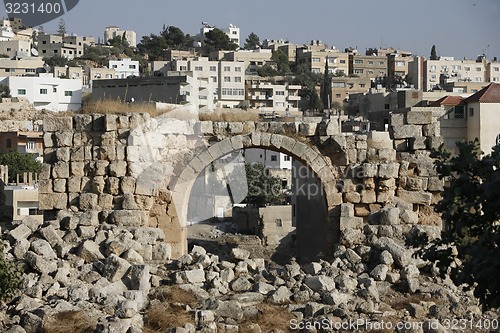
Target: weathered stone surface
[(419, 117), (115, 268), (320, 283), (400, 255), (415, 197), (89, 251)]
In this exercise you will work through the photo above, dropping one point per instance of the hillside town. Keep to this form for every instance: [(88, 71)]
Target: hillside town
[(213, 182)]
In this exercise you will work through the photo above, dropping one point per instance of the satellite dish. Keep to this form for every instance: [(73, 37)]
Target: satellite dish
[(34, 52)]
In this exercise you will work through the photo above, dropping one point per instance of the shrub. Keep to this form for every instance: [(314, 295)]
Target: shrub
[(11, 274)]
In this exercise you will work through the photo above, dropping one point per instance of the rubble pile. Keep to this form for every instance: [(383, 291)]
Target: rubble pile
[(102, 273)]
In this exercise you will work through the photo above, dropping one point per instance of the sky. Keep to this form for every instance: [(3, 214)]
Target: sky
[(458, 28)]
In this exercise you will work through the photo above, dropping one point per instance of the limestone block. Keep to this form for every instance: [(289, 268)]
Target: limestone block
[(387, 196), (162, 251), (64, 139), (418, 143), (409, 216), (129, 218), (433, 142), (38, 263), (74, 184), (406, 131), (388, 170), (45, 186), (77, 169), (433, 129), (98, 184), (88, 201), (401, 145), (108, 139), (387, 155), (353, 197), (82, 122), (128, 184), (48, 140), (104, 153), (110, 122), (112, 186), (308, 129), (50, 235), (115, 268), (49, 201), (21, 232), (389, 216), (105, 201), (369, 170), (421, 117), (368, 196), (415, 197), (435, 184), (101, 168), (60, 185), (78, 153), (379, 140), (397, 119), (401, 256), (85, 232), (351, 223), (57, 124), (320, 283), (60, 170)]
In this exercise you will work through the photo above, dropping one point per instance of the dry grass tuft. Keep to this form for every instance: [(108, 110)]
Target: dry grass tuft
[(118, 107), (69, 321), (165, 310), (271, 317)]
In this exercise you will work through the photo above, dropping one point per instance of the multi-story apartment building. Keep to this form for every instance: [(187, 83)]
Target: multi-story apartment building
[(314, 57), (14, 28), (343, 86), (252, 59), (22, 67), (368, 66), (91, 74), (47, 92), (22, 142), (114, 31), (15, 49), (493, 71), (226, 77), (266, 96), (289, 49), (435, 74), (124, 67), (397, 64), (65, 46)]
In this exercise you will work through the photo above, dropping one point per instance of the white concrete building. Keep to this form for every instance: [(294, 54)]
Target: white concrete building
[(269, 158), (47, 92), (269, 97), (114, 31), (124, 68), (232, 32), (16, 48)]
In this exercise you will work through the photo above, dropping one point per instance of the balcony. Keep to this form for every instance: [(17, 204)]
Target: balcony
[(293, 98), (260, 97)]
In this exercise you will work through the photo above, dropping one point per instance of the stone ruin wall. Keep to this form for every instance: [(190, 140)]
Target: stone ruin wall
[(99, 176)]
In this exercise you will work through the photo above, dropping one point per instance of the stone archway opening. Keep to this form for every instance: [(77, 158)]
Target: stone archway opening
[(313, 183)]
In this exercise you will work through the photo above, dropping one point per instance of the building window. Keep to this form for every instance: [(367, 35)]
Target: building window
[(400, 63), (54, 89), (274, 158), (198, 68), (471, 112), (370, 62), (358, 61), (358, 71), (280, 93), (213, 68), (467, 69), (362, 85), (68, 93), (237, 79), (183, 68), (237, 69), (496, 69), (316, 59), (9, 143), (131, 66), (227, 79), (30, 145), (381, 63), (21, 91), (478, 69), (43, 91), (287, 158), (214, 79), (338, 95), (227, 68), (342, 61), (279, 223)]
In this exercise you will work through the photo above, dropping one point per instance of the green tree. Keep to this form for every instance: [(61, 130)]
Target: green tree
[(252, 42), (59, 61), (19, 163), (153, 47), (326, 87), (433, 53), (469, 247), (61, 28), (4, 91), (217, 40), (11, 277), (281, 60), (263, 189), (175, 38), (267, 71)]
